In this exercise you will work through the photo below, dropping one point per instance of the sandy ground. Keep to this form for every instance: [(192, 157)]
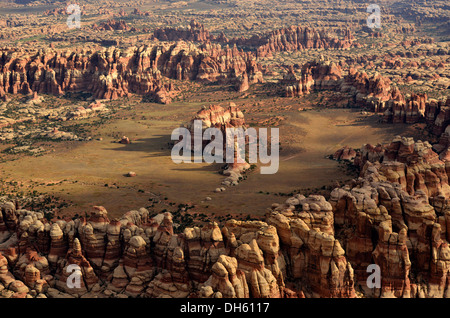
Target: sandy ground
[(83, 169)]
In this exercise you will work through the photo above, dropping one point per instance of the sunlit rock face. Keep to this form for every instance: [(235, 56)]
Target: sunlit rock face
[(394, 215)]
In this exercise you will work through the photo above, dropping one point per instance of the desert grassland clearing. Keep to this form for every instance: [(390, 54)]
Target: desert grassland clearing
[(94, 171)]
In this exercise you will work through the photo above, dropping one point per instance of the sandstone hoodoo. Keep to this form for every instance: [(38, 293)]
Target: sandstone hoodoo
[(374, 93), (399, 195), (318, 75), (224, 149), (113, 73), (195, 32), (298, 38), (111, 25), (223, 119), (290, 39)]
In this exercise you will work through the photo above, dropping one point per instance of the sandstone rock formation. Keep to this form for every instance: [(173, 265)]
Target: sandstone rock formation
[(195, 32), (290, 39), (111, 25), (373, 92), (136, 256), (226, 120), (112, 73), (394, 215), (397, 203), (297, 38)]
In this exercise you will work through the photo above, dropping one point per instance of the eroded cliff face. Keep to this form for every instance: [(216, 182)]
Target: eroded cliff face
[(289, 39), (359, 89), (113, 73), (136, 256), (316, 75), (400, 208), (373, 92), (194, 32), (298, 38), (394, 215)]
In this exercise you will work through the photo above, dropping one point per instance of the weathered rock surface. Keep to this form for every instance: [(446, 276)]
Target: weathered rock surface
[(113, 73)]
